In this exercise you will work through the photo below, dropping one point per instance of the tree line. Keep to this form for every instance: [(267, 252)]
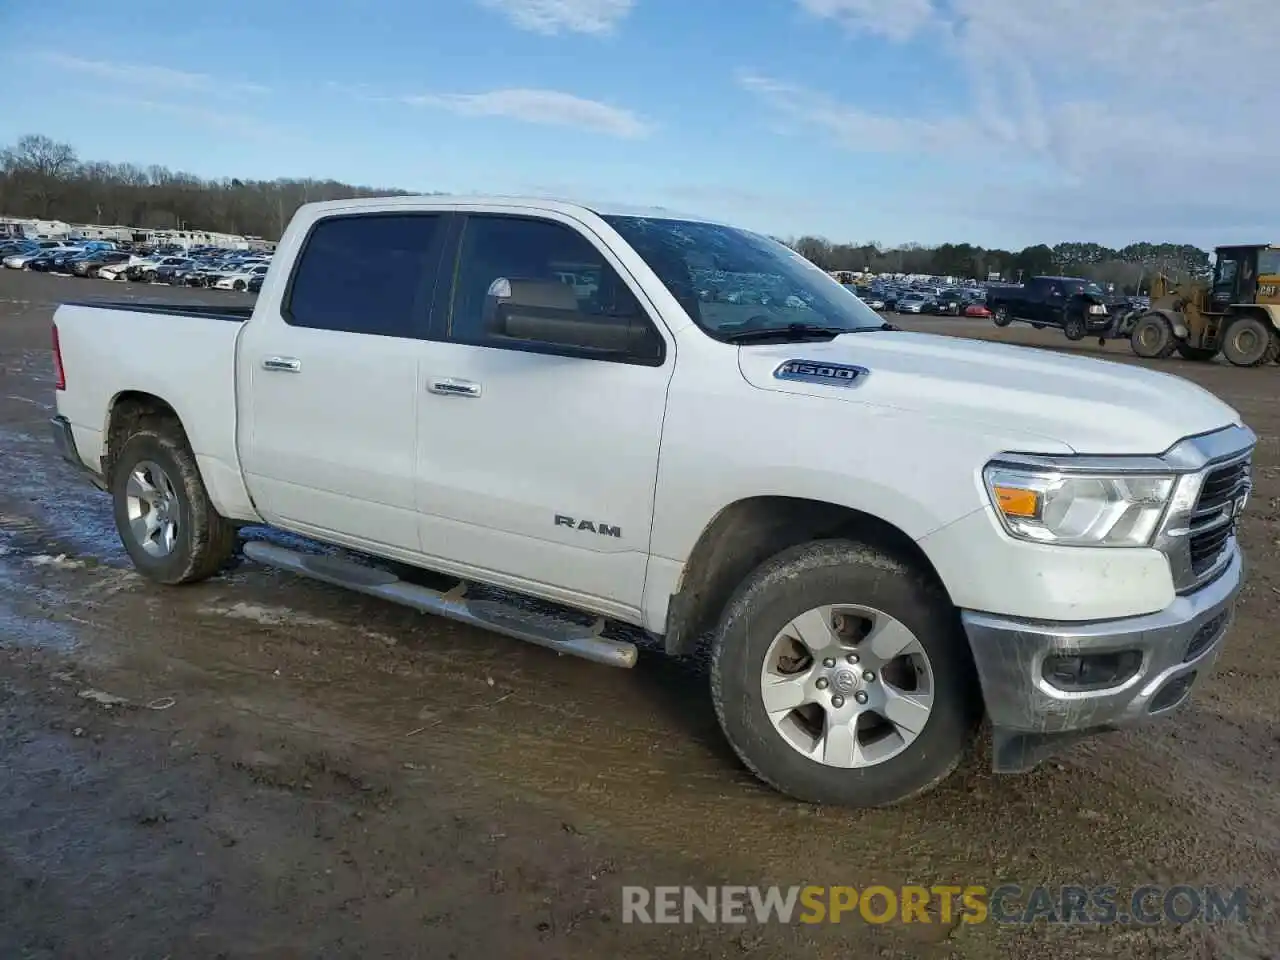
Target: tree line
[(1130, 268), (43, 179), (46, 180)]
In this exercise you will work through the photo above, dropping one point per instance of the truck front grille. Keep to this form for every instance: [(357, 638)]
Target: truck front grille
[(1214, 519)]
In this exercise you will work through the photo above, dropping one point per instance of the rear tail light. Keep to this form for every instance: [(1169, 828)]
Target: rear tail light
[(59, 375)]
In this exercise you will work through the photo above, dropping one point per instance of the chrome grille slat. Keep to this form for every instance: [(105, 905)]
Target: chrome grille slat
[(1212, 518)]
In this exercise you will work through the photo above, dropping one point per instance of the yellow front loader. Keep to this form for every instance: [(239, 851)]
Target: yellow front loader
[(1235, 313)]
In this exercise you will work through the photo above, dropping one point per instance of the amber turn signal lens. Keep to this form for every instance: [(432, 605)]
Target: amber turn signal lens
[(1017, 503)]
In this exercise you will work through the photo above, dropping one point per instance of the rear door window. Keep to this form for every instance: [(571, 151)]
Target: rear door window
[(367, 273)]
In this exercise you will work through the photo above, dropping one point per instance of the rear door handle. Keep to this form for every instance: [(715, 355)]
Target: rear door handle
[(449, 387), (282, 364)]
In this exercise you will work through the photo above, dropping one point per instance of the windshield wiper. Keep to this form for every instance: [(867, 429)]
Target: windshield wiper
[(792, 332)]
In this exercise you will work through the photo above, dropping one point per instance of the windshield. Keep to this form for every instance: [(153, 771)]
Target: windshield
[(731, 280)]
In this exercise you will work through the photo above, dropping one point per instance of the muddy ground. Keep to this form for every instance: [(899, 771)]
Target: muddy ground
[(300, 772)]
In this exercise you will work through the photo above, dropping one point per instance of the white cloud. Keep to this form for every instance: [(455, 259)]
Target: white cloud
[(896, 19), (572, 16), (1137, 117), (146, 75), (549, 107)]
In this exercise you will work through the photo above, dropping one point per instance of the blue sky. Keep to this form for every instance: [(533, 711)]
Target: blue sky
[(859, 120)]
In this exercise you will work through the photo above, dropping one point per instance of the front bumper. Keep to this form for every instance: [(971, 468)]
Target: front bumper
[(1032, 717)]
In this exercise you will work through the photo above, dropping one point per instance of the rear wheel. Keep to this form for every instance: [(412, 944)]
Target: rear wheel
[(238, 285), (1152, 337), (1249, 342), (840, 675), (148, 276), (167, 523), (1001, 316)]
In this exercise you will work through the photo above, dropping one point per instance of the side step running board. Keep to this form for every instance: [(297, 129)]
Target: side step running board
[(542, 629)]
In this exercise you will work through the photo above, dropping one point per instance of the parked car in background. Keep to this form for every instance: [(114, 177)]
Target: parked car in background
[(255, 282), (54, 260), (239, 277), (19, 261), (90, 264), (912, 303), (949, 303)]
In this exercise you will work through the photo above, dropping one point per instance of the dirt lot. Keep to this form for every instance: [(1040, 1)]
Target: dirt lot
[(301, 772)]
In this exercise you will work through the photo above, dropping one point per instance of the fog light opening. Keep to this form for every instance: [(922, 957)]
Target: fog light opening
[(1091, 671)]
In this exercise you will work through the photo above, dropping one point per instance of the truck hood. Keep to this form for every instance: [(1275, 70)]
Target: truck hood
[(1092, 406)]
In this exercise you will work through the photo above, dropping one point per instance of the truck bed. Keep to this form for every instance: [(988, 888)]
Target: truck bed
[(204, 311)]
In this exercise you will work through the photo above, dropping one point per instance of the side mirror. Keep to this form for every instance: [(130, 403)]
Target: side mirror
[(547, 312)]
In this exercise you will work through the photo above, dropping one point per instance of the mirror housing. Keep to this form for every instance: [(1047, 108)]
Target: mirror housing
[(547, 312)]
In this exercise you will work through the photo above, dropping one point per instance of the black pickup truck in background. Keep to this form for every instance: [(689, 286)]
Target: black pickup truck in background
[(1079, 307)]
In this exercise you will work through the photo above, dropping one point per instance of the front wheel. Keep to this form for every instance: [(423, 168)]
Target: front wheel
[(1248, 342), (841, 675), (1152, 337), (1074, 327), (1001, 316), (169, 527)]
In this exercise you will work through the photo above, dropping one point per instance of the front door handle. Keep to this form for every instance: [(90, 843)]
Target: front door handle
[(282, 364), (449, 387)]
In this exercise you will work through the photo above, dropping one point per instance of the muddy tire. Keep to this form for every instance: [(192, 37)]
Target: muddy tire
[(1198, 354), (1000, 316), (1152, 337), (870, 652), (162, 510), (1249, 342), (1074, 327)]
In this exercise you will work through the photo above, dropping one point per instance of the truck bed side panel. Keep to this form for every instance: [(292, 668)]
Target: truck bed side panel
[(187, 359)]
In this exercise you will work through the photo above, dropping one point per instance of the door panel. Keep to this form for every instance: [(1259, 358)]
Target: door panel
[(328, 383), (541, 467)]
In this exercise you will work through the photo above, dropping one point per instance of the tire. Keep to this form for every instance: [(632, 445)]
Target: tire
[(1198, 354), (1000, 316), (1074, 327), (238, 286), (1249, 342), (149, 276), (1152, 337), (203, 540), (832, 574)]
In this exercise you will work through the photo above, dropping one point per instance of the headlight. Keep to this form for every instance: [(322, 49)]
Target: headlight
[(1079, 509)]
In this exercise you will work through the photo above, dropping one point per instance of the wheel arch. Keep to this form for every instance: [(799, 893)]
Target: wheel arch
[(749, 531), (128, 411), (1268, 313), (1175, 319)]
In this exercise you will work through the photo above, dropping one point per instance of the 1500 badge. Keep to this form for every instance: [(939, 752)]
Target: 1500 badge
[(832, 374)]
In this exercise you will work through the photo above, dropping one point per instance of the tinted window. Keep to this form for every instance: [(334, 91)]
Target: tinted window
[(525, 283), (367, 274), (1268, 263)]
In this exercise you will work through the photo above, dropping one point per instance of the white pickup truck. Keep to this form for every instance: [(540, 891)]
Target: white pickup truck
[(603, 428)]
